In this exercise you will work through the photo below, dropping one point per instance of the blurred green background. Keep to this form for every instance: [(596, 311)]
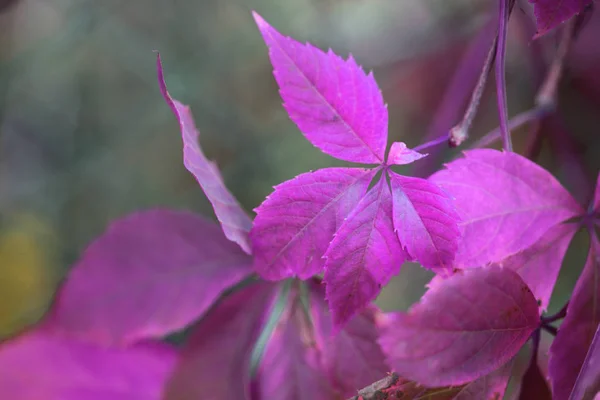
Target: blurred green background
[(85, 136)]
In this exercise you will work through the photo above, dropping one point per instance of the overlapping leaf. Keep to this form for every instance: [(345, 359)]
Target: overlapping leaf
[(551, 13), (464, 327), (215, 363), (235, 222), (506, 203), (150, 274), (569, 349), (38, 365), (588, 381), (534, 384), (298, 220), (540, 264), (363, 256)]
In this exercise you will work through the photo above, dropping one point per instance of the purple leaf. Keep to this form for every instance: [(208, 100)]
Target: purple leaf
[(588, 381), (540, 264), (363, 256), (150, 274), (534, 385), (215, 363), (506, 202), (38, 365), (425, 220), (551, 13), (235, 222), (295, 224), (335, 104), (574, 337), (464, 327), (596, 205), (291, 364), (400, 154), (352, 359)]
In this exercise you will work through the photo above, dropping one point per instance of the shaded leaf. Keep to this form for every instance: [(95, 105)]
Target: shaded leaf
[(464, 327), (296, 223), (338, 108), (540, 264), (150, 274), (425, 220), (363, 256), (235, 222), (575, 335), (596, 205), (506, 203), (588, 381), (534, 385), (351, 359), (38, 365), (551, 13), (215, 363)]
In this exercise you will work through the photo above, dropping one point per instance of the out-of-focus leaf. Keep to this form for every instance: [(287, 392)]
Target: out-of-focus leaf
[(551, 13), (534, 385), (150, 274), (506, 203), (588, 381), (464, 327)]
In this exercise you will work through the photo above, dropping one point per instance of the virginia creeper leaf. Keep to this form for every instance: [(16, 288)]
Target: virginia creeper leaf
[(588, 381), (296, 223), (534, 385), (235, 222), (335, 104), (464, 327), (551, 13), (575, 335), (400, 154), (150, 274), (363, 255), (215, 363), (291, 364), (38, 365), (540, 264), (425, 220), (506, 203), (351, 359)]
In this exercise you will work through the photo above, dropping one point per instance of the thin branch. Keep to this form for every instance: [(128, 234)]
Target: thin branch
[(555, 317), (503, 16), (376, 390), (550, 329)]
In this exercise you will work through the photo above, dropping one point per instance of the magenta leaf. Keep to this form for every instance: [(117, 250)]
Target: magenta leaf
[(363, 256), (540, 264), (352, 359), (235, 222), (506, 203), (38, 365), (596, 205), (335, 104), (215, 363), (400, 154), (425, 220), (534, 384), (568, 351), (588, 381), (295, 224), (464, 327), (291, 364), (150, 274), (551, 13)]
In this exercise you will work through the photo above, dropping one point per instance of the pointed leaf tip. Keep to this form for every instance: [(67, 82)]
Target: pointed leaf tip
[(400, 154)]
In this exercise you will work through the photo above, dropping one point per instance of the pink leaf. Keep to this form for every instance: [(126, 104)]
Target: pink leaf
[(588, 381), (540, 264), (235, 222), (335, 104), (363, 256), (596, 205), (464, 327), (400, 154), (551, 13), (295, 224), (291, 364), (506, 202), (574, 337), (38, 365), (352, 359), (150, 274), (425, 220), (215, 363)]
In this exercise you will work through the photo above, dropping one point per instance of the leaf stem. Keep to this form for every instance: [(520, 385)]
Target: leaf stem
[(500, 69), (555, 317), (550, 329)]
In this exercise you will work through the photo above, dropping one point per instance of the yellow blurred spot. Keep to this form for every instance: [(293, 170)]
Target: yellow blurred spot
[(27, 272)]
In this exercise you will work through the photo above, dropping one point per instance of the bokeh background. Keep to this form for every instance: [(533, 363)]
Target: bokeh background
[(85, 136)]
